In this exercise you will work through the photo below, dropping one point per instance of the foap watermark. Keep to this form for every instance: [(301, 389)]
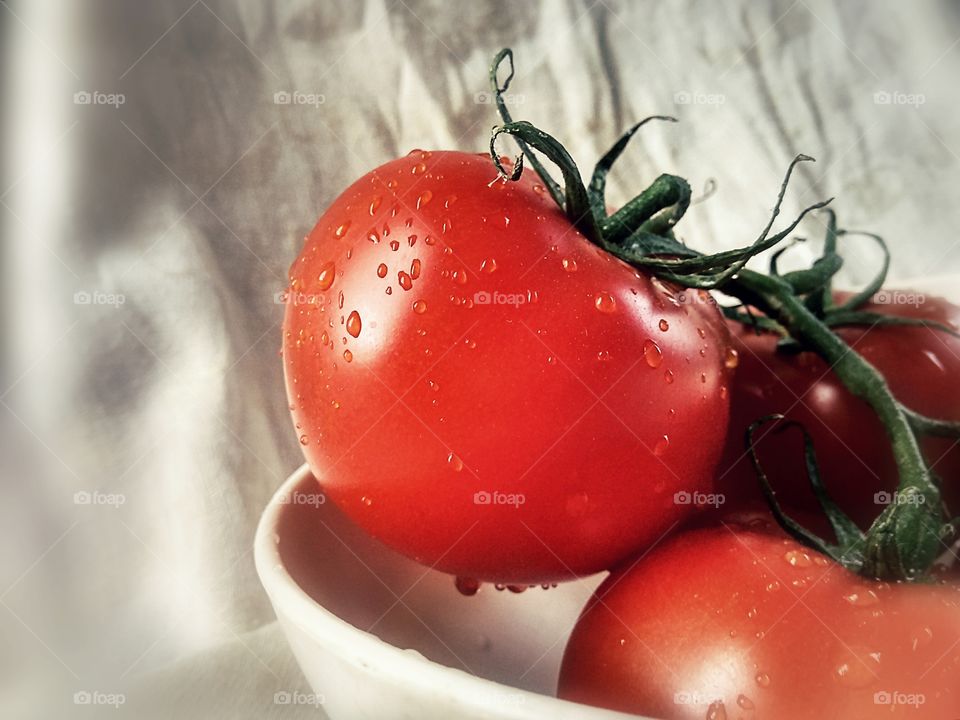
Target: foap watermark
[(895, 97), (487, 98), (899, 297), (96, 97), (690, 296), (96, 497), (302, 498), (694, 697), (484, 297), (294, 697), (496, 698), (97, 697), (295, 97), (285, 297), (689, 97), (495, 497), (897, 498), (700, 499), (98, 297), (893, 697)]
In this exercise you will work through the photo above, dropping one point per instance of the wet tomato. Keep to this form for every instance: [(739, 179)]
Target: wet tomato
[(919, 364), (483, 389), (738, 621)]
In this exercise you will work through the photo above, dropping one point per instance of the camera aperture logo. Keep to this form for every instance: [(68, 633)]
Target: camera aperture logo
[(295, 97), (495, 497), (96, 97)]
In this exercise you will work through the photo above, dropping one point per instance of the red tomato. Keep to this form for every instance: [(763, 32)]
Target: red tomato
[(740, 622), (483, 389), (921, 366)]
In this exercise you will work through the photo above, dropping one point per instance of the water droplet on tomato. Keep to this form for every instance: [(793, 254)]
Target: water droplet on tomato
[(366, 501), (304, 440), (920, 638), (353, 324), (857, 669), (569, 264), (403, 279), (341, 230), (668, 376), (516, 588), (661, 447), (340, 300), (762, 679), (374, 204), (327, 275), (716, 711), (489, 265), (577, 504), (664, 325), (652, 354), (418, 168), (423, 198), (798, 558), (466, 586), (605, 303), (415, 269), (862, 598), (731, 359), (449, 201), (348, 356), (456, 464), (389, 290), (381, 270), (745, 702), (420, 307)]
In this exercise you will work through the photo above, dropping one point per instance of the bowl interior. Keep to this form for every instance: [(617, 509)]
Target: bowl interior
[(512, 638)]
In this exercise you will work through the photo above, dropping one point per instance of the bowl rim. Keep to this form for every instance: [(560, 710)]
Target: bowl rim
[(350, 643)]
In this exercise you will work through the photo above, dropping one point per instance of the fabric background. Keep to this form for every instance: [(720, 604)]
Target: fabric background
[(192, 198)]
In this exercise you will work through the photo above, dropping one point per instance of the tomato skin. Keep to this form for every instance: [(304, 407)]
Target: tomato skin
[(853, 450), (742, 615), (550, 400)]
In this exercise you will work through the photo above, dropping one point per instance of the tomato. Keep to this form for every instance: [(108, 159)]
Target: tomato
[(484, 390), (853, 451), (739, 621)]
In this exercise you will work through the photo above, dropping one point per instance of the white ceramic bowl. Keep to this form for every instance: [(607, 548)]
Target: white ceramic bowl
[(380, 636)]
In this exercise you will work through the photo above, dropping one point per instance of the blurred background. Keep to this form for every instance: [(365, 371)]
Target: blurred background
[(161, 165)]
